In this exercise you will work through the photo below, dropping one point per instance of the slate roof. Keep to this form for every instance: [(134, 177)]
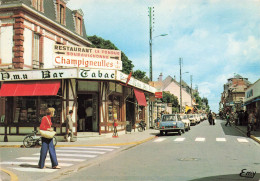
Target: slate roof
[(50, 12)]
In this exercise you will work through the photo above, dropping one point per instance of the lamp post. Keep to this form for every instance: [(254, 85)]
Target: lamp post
[(151, 14), (180, 61)]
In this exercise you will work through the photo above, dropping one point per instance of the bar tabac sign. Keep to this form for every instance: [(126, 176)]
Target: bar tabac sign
[(74, 56)]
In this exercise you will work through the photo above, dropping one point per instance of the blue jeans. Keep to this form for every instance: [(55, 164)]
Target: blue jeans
[(47, 144)]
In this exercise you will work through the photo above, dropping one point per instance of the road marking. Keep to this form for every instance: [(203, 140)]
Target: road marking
[(75, 151), (179, 139), (11, 174), (72, 155), (221, 139), (87, 148), (33, 163), (34, 169), (59, 159), (159, 139), (200, 139), (242, 140)]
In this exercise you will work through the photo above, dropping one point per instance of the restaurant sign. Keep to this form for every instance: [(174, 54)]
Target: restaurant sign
[(70, 61), (87, 52)]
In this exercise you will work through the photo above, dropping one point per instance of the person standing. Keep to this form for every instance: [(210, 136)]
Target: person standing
[(89, 113), (228, 119), (69, 127), (47, 144)]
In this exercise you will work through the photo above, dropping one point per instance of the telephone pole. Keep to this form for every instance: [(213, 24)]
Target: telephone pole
[(151, 15), (180, 60), (191, 90)]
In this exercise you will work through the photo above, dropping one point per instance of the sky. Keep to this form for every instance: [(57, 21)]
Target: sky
[(216, 39)]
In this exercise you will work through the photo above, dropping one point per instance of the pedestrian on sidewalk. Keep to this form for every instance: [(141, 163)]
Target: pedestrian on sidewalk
[(47, 144), (236, 118), (228, 119), (69, 127)]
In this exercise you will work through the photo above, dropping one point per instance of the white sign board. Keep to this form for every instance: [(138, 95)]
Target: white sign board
[(69, 61)]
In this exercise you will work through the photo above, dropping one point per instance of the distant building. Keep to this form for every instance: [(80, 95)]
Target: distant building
[(232, 97)]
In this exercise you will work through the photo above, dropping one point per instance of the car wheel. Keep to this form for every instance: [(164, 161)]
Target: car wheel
[(161, 133), (179, 132), (183, 130), (189, 127)]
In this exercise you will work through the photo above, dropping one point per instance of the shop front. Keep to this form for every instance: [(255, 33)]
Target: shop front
[(98, 98)]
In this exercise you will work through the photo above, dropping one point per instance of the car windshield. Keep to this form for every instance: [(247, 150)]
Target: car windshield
[(169, 118), (190, 116), (183, 116)]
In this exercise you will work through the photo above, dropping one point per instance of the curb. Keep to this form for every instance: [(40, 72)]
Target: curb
[(251, 136), (81, 145)]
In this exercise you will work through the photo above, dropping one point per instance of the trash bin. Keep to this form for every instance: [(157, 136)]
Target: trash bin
[(128, 128)]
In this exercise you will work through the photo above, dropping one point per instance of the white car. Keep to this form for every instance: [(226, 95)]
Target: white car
[(192, 118), (186, 121)]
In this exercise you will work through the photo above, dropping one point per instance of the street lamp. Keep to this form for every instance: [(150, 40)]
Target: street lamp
[(151, 59), (180, 60)]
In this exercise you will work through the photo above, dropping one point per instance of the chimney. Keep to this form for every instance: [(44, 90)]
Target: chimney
[(160, 77)]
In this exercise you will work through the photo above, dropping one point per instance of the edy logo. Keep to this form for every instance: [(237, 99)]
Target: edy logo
[(247, 174)]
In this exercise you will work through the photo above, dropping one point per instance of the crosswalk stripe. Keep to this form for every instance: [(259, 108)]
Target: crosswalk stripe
[(221, 139), (59, 159), (34, 163), (33, 169), (75, 151), (242, 140), (87, 148), (200, 139), (159, 139), (179, 139), (72, 155)]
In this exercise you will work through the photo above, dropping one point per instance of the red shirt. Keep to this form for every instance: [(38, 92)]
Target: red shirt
[(46, 123)]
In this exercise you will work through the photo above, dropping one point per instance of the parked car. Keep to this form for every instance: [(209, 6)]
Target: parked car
[(186, 121), (171, 123), (192, 118)]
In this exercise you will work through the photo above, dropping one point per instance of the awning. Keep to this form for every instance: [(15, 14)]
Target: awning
[(140, 97), (35, 88)]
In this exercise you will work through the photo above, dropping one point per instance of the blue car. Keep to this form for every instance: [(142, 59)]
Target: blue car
[(171, 123)]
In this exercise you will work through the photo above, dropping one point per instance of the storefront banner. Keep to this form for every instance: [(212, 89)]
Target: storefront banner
[(87, 52), (134, 82), (38, 74), (253, 91), (70, 61), (97, 74)]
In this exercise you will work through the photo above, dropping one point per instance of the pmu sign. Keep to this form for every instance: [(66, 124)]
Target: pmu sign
[(158, 95)]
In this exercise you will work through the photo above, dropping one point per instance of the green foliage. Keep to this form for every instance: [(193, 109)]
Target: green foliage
[(98, 42), (141, 75), (170, 98)]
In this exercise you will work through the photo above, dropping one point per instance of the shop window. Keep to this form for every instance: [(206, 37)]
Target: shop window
[(32, 109), (114, 108)]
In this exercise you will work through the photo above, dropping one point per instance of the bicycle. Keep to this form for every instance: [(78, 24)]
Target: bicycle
[(34, 140)]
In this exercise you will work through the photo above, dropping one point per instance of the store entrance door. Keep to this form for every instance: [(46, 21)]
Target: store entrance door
[(88, 113)]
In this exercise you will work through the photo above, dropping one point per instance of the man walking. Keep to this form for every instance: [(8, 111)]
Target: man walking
[(69, 127), (228, 119)]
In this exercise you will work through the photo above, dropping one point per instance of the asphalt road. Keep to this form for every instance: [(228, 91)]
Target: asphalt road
[(204, 153)]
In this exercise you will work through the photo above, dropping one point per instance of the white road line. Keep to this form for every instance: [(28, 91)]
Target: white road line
[(159, 139), (72, 155), (242, 140), (179, 139), (34, 163), (106, 146), (76, 151), (59, 159), (200, 139), (84, 148), (221, 139), (46, 170)]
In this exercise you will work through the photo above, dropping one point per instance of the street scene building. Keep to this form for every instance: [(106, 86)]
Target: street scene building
[(46, 61)]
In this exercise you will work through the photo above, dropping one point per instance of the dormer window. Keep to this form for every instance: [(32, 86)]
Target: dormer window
[(61, 11), (78, 17), (38, 5)]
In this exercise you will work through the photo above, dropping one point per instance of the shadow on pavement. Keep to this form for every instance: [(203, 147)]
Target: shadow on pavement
[(230, 130), (230, 177)]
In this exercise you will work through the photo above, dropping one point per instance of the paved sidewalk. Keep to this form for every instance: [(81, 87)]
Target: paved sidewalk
[(102, 140), (255, 135)]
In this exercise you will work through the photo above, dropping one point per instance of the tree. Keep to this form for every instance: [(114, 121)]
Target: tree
[(98, 42), (170, 98), (141, 75)]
